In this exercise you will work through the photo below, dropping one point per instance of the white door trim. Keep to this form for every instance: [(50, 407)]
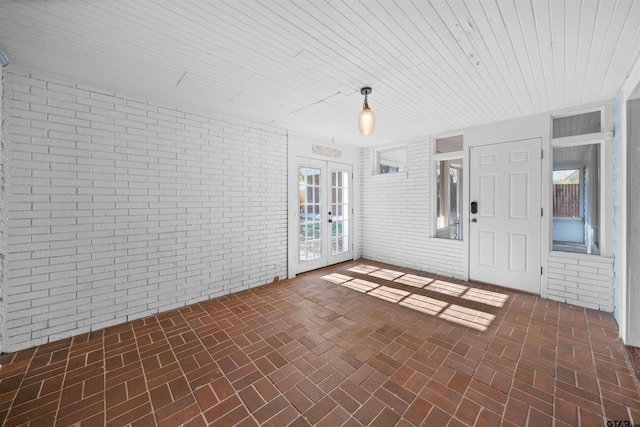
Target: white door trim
[(326, 167), (532, 277)]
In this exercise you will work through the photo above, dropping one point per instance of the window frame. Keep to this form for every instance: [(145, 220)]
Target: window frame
[(601, 139), (377, 152), (437, 158)]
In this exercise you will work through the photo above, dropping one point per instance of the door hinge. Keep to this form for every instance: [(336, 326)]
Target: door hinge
[(541, 211), (541, 271), (542, 154)]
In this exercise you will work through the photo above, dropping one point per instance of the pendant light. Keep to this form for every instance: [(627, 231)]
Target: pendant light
[(367, 120)]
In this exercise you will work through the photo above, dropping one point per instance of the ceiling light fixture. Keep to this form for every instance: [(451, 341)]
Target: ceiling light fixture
[(367, 120)]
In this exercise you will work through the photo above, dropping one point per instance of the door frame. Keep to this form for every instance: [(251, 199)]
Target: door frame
[(314, 149), (623, 314), (536, 126), (541, 227), (326, 169)]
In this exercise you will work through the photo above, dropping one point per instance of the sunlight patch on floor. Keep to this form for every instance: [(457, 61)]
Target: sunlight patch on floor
[(495, 299), (447, 288), (389, 294), (458, 314), (361, 285), (413, 280), (465, 316), (386, 274), (337, 278), (424, 304), (364, 269)]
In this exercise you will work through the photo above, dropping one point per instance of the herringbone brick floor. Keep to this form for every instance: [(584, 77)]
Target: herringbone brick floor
[(360, 343)]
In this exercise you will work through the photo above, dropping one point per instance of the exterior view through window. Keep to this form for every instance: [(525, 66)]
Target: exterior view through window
[(449, 199), (576, 199), (449, 159)]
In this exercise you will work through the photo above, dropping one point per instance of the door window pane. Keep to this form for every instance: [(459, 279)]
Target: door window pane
[(309, 239), (340, 209), (449, 199)]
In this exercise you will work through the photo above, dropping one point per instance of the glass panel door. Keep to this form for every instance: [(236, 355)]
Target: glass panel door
[(340, 211), (324, 211), (310, 225)]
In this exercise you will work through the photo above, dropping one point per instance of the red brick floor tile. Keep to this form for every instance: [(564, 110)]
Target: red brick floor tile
[(489, 419), (283, 418), (468, 411), (438, 417), (367, 412), (334, 418), (309, 351), (320, 409), (417, 411)]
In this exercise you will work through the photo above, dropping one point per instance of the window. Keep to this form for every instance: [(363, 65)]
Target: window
[(449, 199), (449, 178), (452, 144), (577, 124), (576, 198), (390, 160)]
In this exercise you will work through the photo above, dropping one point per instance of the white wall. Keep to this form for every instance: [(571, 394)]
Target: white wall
[(397, 216), (581, 279), (398, 211), (625, 306), (3, 251), (117, 209)]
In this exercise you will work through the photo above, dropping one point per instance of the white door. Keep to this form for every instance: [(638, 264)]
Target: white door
[(505, 230), (324, 214)]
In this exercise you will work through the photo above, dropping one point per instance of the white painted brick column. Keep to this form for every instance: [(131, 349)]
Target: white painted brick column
[(580, 279)]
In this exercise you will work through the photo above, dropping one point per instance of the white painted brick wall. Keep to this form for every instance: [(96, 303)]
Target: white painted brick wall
[(396, 217), (579, 279), (117, 209), (3, 249)]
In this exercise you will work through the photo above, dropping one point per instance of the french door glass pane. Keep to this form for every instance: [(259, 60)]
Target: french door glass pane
[(340, 209), (309, 239)]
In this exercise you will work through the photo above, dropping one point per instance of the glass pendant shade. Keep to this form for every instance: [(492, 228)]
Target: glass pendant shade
[(366, 121)]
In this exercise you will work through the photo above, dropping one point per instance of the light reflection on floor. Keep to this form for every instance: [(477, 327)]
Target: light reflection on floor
[(413, 280), (389, 294), (361, 285), (447, 288), (458, 314), (386, 274), (337, 278), (424, 304)]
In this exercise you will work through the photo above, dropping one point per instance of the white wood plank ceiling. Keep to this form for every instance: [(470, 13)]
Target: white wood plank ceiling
[(434, 66)]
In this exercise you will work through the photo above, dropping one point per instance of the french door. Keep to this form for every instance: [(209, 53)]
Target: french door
[(324, 214)]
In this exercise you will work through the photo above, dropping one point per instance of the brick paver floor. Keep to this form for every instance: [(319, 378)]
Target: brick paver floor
[(360, 343)]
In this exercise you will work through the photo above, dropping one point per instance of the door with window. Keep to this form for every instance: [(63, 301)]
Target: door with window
[(505, 214), (324, 214)]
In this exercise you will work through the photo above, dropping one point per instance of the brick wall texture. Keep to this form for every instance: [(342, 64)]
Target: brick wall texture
[(116, 209), (397, 216), (583, 280)]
